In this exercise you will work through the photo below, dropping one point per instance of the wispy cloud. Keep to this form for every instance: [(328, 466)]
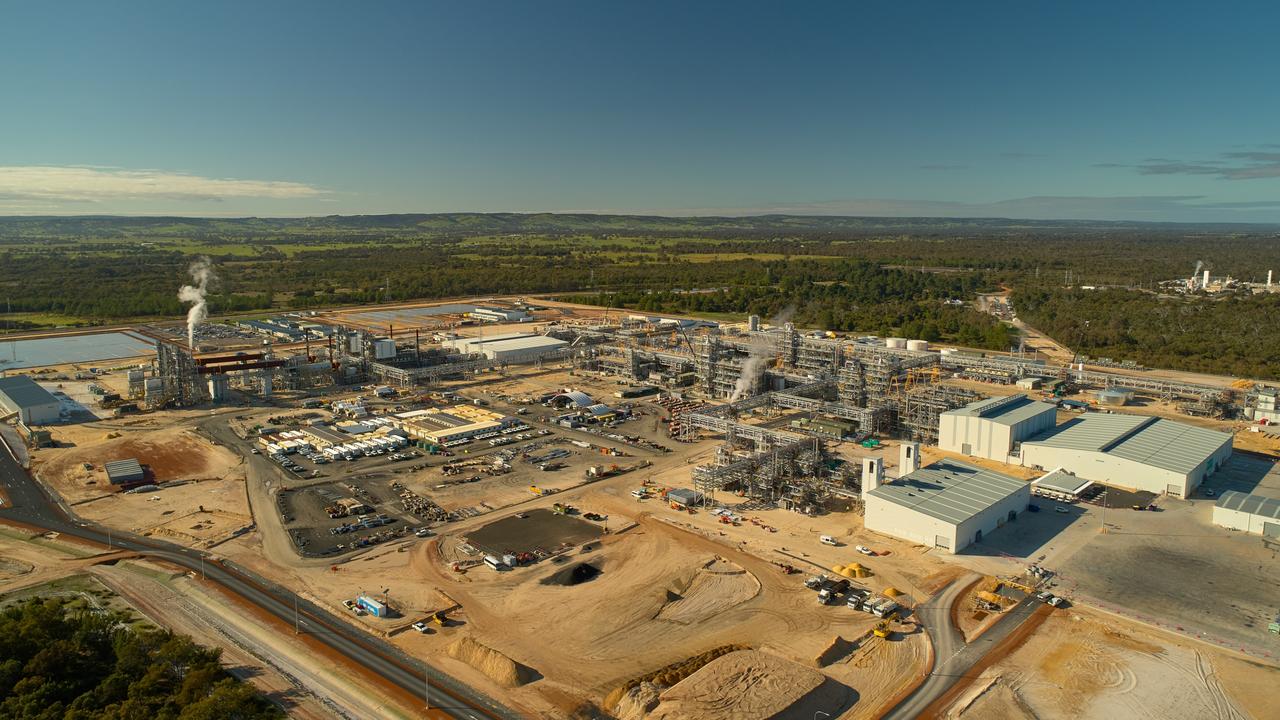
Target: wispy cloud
[(943, 167), (1241, 165), (41, 185)]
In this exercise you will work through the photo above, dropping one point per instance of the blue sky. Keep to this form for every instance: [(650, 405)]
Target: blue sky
[(1099, 110)]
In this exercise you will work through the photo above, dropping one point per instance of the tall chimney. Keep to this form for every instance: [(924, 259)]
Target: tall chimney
[(1205, 284), (1268, 279), (908, 458), (872, 474)]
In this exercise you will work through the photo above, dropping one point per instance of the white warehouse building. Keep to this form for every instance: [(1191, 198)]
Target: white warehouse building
[(32, 404), (521, 350), (1131, 451), (1250, 513), (992, 428), (948, 505)]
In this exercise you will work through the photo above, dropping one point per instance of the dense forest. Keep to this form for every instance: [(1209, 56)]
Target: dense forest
[(878, 275), (1233, 335), (60, 663)]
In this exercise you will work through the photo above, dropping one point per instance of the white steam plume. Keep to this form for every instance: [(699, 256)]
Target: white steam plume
[(202, 273)]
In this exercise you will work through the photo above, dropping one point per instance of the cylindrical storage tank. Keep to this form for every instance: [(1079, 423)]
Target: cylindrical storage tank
[(384, 349), (753, 323), (154, 386), (136, 375), (898, 343), (1113, 398), (917, 344)]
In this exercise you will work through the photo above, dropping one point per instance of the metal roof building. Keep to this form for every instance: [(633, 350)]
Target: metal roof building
[(125, 472), (947, 505), (993, 427), (33, 404), (1059, 484), (1131, 451), (1250, 513), (525, 349)]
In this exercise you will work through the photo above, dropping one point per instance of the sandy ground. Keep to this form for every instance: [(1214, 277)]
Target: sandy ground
[(1082, 664), (749, 684), (162, 443)]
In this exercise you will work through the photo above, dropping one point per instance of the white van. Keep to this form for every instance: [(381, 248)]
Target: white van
[(827, 540)]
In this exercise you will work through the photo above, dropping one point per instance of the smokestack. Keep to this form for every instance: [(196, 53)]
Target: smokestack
[(908, 458), (202, 272), (1205, 284), (1268, 279), (872, 474)]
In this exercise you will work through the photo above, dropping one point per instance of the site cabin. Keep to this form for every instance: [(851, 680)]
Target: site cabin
[(494, 563), (373, 607)]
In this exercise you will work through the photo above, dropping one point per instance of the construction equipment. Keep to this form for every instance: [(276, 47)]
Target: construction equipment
[(881, 630)]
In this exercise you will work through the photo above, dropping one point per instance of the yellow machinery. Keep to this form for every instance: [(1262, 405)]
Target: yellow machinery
[(439, 618), (881, 630)]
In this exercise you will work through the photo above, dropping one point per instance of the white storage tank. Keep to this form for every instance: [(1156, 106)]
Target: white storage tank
[(917, 344), (894, 342), (384, 349)]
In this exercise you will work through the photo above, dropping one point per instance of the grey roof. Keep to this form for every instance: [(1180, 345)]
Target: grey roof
[(950, 490), (124, 470), (1007, 410), (1252, 504), (23, 392), (1060, 480), (578, 398), (1156, 442), (685, 495)]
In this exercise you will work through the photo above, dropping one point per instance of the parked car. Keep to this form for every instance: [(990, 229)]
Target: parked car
[(865, 550), (1061, 509), (421, 627)]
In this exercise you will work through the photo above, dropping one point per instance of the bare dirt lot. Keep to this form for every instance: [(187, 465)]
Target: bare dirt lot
[(168, 453), (1084, 665)]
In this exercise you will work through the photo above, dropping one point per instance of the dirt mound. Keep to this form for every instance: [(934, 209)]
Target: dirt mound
[(712, 589), (573, 575), (836, 649), (496, 666), (637, 702), (747, 684), (669, 675), (10, 568)]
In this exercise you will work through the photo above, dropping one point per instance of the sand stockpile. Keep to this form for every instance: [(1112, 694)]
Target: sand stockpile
[(836, 649), (714, 588), (749, 684), (636, 703), (496, 666)]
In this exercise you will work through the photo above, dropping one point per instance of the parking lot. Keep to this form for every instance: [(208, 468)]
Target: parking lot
[(336, 517)]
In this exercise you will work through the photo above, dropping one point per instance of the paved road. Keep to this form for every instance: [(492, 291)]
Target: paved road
[(952, 658), (30, 504)]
